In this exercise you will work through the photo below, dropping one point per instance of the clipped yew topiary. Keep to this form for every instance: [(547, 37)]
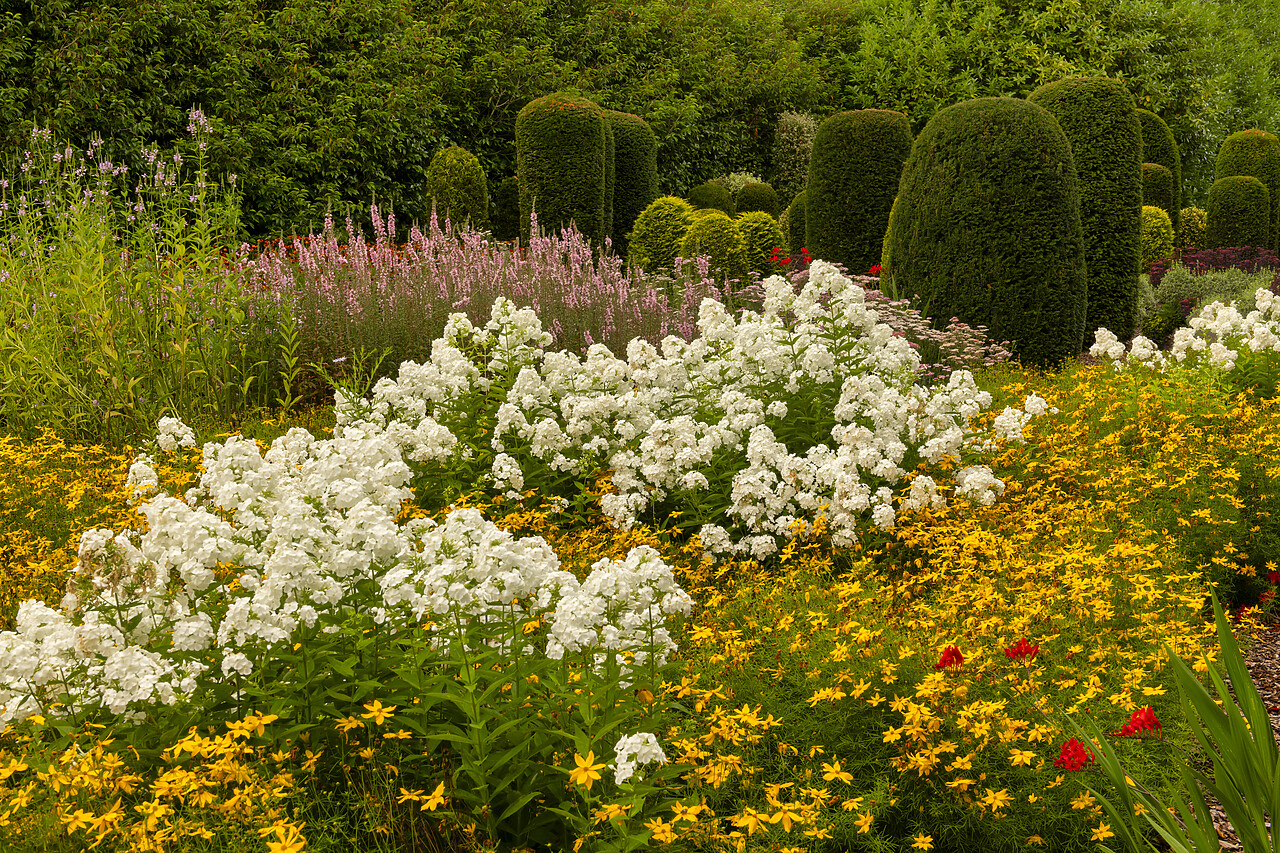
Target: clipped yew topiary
[(716, 236), (853, 176), (1159, 146), (1157, 187), (635, 181), (506, 210), (797, 225), (458, 189), (761, 234), (1239, 213), (986, 227), (1191, 233), (560, 161), (710, 196), (608, 175), (1257, 153), (1099, 118), (757, 197), (654, 241), (1157, 235)]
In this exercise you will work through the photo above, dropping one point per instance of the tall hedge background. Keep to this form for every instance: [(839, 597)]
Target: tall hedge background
[(321, 103)]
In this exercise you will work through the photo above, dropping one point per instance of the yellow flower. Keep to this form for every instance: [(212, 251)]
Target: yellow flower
[(77, 820), (1021, 756), (1084, 801), (864, 822), (750, 820), (586, 772), (377, 712), (436, 799), (346, 724), (834, 772), (406, 795), (663, 832), (997, 799), (1103, 832), (923, 842), (1036, 840)]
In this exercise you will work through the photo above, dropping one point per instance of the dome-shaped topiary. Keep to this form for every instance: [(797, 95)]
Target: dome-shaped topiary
[(1159, 146), (1239, 213), (986, 227), (760, 236), (853, 177), (797, 225), (712, 196), (654, 241), (1157, 187), (757, 197), (1099, 118), (792, 144), (457, 187), (1157, 235), (1257, 153), (716, 236), (560, 161), (635, 181), (1192, 231)]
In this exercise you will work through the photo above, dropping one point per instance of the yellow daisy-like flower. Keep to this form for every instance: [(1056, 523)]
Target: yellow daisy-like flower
[(377, 712), (436, 799), (1103, 832), (833, 772), (923, 842), (586, 772), (1021, 757), (864, 822)]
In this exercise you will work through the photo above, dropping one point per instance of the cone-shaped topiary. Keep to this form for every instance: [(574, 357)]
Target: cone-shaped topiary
[(1157, 235), (1257, 153), (711, 196), (457, 186), (853, 176), (757, 197), (797, 225), (1239, 213), (1159, 146), (1157, 187), (506, 210), (792, 144), (654, 241), (716, 236), (1191, 235), (635, 181), (609, 167), (760, 236), (1100, 120), (986, 227), (560, 161)]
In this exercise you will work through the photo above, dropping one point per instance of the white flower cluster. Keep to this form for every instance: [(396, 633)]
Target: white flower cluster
[(172, 433), (806, 409), (633, 750), (1009, 424)]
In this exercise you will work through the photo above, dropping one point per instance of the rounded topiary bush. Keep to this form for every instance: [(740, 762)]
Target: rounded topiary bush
[(986, 227), (506, 209), (560, 161), (1239, 213), (713, 197), (458, 189), (792, 144), (797, 224), (635, 181), (716, 236), (853, 177), (757, 197), (1256, 153), (1099, 118), (1157, 187), (1191, 233), (654, 241), (761, 234), (1159, 146), (1157, 235)]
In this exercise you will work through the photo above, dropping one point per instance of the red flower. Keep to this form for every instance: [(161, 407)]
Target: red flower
[(876, 270), (1266, 597), (1273, 577), (1143, 720), (1073, 756), (950, 657), (1022, 650)]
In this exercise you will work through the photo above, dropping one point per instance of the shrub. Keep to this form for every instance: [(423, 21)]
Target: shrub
[(853, 178), (797, 224), (1157, 188), (1098, 116), (713, 197), (458, 190), (986, 227), (560, 161), (635, 183), (1159, 146), (1191, 230), (1248, 259), (734, 182), (784, 225), (608, 176), (716, 236), (1157, 235), (506, 209), (792, 143), (761, 234), (1239, 213), (1255, 153), (1200, 287), (757, 197), (654, 241)]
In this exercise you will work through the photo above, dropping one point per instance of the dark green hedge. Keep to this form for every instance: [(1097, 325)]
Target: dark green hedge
[(1157, 187), (854, 170), (797, 225), (1159, 146), (1100, 120), (457, 185), (1257, 153), (986, 227), (757, 197), (609, 168), (712, 196), (1239, 213), (560, 162), (506, 209), (635, 183)]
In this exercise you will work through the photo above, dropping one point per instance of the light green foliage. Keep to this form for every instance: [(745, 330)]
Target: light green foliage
[(792, 143), (1191, 231), (716, 236), (761, 234), (458, 189), (660, 228), (1226, 286), (757, 197), (734, 182), (1157, 235)]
